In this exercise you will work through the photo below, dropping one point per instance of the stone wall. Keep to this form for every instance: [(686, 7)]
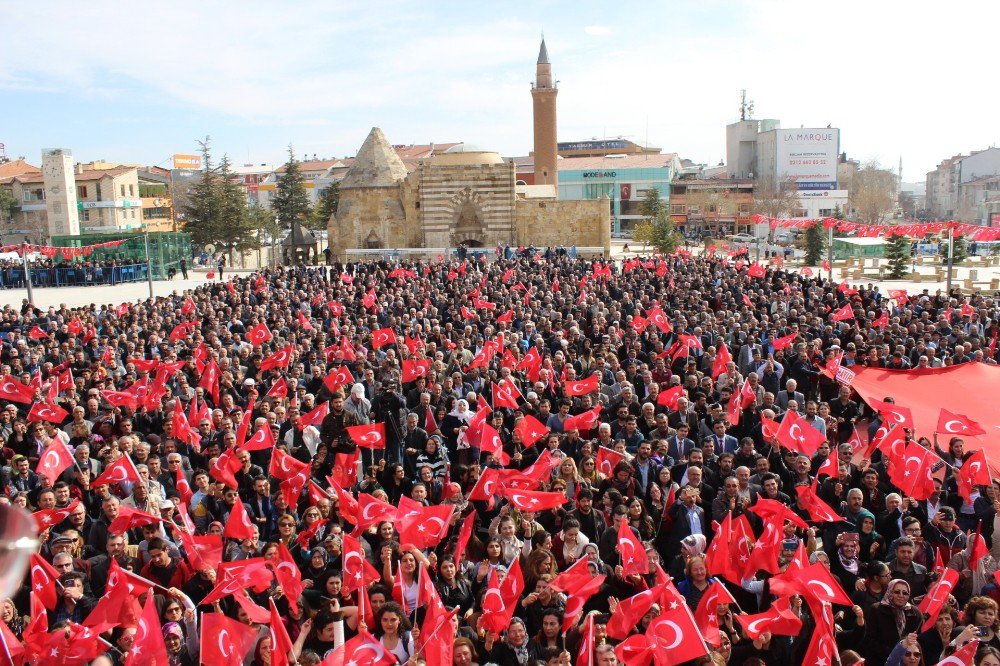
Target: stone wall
[(371, 214), (444, 190), (567, 223)]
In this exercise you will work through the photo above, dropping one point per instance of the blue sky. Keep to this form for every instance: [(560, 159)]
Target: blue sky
[(138, 82)]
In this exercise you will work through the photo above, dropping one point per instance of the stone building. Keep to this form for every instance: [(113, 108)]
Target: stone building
[(464, 195)]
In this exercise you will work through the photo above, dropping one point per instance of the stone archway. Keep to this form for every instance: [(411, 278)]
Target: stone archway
[(372, 241), (467, 225)]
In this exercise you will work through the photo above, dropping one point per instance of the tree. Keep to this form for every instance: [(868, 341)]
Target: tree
[(815, 239), (872, 193), (8, 205), (897, 251), (326, 207), (656, 229), (291, 201), (216, 210), (960, 250)]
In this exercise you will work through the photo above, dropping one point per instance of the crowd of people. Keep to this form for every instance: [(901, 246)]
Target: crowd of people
[(533, 459)]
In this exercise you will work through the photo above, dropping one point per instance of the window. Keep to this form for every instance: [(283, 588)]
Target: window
[(825, 212), (122, 188), (744, 208), (677, 209), (97, 192), (85, 215), (131, 213), (34, 195), (131, 190), (81, 191)]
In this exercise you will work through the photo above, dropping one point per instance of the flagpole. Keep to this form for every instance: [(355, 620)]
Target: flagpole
[(27, 274)]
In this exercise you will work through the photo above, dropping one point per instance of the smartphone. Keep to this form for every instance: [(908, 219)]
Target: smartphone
[(982, 632)]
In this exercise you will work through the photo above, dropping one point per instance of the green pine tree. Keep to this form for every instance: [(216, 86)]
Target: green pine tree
[(291, 201), (326, 207), (897, 251), (241, 235), (657, 229), (960, 250), (8, 205), (202, 214), (815, 240)]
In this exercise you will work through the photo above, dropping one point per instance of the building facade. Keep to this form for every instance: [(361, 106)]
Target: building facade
[(712, 206), (961, 185), (618, 181)]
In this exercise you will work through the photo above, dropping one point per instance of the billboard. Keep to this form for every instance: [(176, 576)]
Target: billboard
[(808, 156), (187, 161)]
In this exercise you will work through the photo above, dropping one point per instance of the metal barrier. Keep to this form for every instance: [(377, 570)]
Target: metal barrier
[(12, 277), (431, 253)]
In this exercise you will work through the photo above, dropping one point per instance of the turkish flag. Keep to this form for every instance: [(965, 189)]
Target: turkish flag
[(796, 434), (314, 417), (706, 615), (464, 534), (672, 639), (633, 553), (974, 472), (823, 644), (584, 422), (584, 386), (819, 511), (912, 471), (75, 326), (225, 641), (577, 596), (203, 552), (180, 330), (607, 459), (531, 364), (279, 389), (239, 525), (505, 394), (129, 519), (937, 597), (882, 321), (769, 509), (281, 642), (121, 399), (630, 612), (892, 413), (786, 341), (50, 412), (284, 466), (814, 582), (778, 620), (210, 380), (382, 337), (46, 518), (414, 369), (288, 575), (279, 359), (670, 397), (262, 440), (489, 441), (830, 466), (11, 389), (532, 500), (423, 526), (358, 571), (120, 471), (958, 424), (529, 429), (37, 334), (371, 436), (43, 581), (844, 313), (339, 377), (659, 319), (55, 460), (345, 468), (722, 358), (363, 650), (756, 270), (371, 510), (304, 322), (148, 646), (734, 409)]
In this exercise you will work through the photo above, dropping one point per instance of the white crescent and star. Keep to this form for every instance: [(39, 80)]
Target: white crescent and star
[(224, 634), (678, 635)]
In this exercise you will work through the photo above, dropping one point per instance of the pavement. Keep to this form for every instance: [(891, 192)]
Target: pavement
[(130, 292)]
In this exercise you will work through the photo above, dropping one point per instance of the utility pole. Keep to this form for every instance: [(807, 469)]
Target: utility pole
[(27, 274), (951, 256), (149, 265)]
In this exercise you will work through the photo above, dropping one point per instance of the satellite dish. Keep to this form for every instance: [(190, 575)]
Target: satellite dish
[(210, 248)]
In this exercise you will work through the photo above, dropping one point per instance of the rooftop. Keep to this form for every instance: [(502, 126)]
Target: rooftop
[(647, 161), (16, 168)]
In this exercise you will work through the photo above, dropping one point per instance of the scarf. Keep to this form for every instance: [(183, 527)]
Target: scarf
[(898, 614), (460, 415), (850, 564)]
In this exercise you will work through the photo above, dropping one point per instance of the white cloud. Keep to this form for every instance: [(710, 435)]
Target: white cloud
[(598, 30)]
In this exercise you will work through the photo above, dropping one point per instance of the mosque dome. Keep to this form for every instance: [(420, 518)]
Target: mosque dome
[(466, 154)]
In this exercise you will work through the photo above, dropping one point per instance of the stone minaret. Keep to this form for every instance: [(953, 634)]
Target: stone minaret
[(543, 97)]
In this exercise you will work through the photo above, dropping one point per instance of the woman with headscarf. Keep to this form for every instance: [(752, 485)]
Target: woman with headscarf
[(691, 545), (892, 618), (846, 564), (516, 648), (452, 427), (871, 545)]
